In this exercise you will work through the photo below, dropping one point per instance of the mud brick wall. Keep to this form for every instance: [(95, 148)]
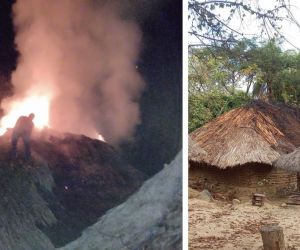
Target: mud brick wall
[(245, 179)]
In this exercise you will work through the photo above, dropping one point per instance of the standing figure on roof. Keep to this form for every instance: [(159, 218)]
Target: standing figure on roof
[(23, 129)]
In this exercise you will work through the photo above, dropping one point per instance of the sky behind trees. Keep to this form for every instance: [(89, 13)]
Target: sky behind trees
[(251, 25)]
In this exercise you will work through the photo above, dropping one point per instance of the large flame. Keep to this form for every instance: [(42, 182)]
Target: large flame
[(37, 104)]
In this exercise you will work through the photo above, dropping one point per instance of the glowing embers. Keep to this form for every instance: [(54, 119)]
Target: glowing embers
[(39, 105), (101, 138)]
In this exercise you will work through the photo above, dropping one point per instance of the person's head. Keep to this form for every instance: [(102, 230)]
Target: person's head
[(31, 116)]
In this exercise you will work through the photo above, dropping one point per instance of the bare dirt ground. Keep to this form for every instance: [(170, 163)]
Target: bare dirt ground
[(221, 225)]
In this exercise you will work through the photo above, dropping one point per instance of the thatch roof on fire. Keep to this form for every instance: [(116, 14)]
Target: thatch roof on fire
[(290, 162), (256, 133)]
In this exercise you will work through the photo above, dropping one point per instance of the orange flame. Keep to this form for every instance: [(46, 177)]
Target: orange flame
[(39, 105)]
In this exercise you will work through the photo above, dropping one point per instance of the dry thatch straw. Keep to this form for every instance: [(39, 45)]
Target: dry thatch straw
[(256, 133), (195, 151), (290, 162)]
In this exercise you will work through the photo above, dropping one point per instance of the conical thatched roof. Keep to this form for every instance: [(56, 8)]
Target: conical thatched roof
[(290, 162), (256, 133)]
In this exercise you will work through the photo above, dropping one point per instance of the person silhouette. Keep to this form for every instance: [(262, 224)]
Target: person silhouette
[(22, 129)]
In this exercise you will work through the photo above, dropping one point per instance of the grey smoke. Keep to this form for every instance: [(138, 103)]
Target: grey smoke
[(84, 53)]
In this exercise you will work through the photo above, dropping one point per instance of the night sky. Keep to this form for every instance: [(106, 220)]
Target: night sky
[(8, 55), (158, 138)]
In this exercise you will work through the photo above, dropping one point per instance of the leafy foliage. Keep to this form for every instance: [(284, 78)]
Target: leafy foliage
[(206, 106), (221, 69), (227, 67), (279, 73), (222, 79)]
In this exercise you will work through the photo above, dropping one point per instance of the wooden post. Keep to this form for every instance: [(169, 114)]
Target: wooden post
[(258, 199), (272, 237)]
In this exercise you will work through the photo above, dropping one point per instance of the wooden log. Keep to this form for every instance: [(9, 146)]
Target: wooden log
[(272, 237), (294, 199)]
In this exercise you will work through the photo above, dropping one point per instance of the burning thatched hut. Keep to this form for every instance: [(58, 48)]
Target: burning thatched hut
[(241, 146)]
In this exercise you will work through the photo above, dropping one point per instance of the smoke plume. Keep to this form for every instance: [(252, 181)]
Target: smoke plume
[(82, 55)]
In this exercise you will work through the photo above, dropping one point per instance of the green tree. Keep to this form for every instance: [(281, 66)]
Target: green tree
[(277, 73), (226, 70), (222, 69), (216, 76), (206, 106)]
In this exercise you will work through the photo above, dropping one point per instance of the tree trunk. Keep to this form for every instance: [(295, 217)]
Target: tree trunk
[(272, 237), (270, 94)]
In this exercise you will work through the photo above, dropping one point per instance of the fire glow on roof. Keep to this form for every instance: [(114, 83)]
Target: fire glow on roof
[(37, 104)]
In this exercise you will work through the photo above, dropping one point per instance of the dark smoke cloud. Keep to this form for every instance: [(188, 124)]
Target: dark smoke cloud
[(83, 55)]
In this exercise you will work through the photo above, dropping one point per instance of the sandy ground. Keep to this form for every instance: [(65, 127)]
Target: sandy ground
[(220, 225)]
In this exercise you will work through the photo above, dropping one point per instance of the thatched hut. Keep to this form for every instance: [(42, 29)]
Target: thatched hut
[(289, 162), (241, 146)]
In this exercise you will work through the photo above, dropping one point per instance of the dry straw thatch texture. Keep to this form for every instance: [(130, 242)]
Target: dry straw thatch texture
[(257, 133), (195, 152), (290, 162)]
